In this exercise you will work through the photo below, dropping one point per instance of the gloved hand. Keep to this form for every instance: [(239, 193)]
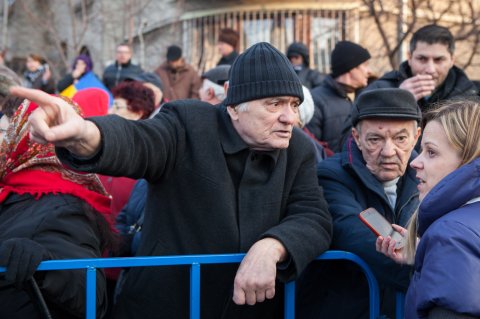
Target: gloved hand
[(21, 257)]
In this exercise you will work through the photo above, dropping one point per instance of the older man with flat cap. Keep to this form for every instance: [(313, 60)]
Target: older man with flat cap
[(372, 171), (231, 179)]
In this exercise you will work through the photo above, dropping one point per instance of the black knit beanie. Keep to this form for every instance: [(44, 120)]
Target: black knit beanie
[(298, 48), (347, 55), (262, 71)]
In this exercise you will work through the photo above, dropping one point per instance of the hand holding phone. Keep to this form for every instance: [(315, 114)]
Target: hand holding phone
[(380, 226)]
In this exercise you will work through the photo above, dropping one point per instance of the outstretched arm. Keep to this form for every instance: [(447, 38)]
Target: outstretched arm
[(55, 121)]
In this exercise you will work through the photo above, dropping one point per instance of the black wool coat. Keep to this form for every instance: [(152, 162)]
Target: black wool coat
[(60, 224), (209, 194)]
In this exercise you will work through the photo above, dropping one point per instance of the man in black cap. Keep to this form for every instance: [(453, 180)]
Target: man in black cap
[(350, 72), (180, 80), (298, 54), (232, 179), (372, 171), (213, 84)]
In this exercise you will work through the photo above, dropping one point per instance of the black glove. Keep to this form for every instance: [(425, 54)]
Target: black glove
[(21, 256)]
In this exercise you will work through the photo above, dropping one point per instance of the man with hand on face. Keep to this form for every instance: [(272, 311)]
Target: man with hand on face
[(429, 72), (372, 171), (230, 179)]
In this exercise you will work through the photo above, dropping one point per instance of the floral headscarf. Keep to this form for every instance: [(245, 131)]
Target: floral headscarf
[(33, 168)]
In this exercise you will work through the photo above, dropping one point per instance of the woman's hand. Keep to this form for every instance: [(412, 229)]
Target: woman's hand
[(386, 246)]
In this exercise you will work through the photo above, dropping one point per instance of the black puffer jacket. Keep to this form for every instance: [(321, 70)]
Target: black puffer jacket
[(332, 108), (61, 225), (456, 84)]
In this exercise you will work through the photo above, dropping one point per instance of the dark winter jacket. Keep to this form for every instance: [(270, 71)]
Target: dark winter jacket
[(61, 225), (310, 78), (447, 260), (209, 194), (228, 59), (339, 289), (456, 84), (332, 108), (116, 73), (129, 221)]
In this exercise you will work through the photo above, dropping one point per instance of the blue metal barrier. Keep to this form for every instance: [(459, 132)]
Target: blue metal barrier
[(195, 261)]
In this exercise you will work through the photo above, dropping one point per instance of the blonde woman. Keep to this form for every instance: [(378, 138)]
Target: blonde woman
[(444, 234)]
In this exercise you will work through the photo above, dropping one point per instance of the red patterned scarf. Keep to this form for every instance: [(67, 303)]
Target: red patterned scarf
[(27, 167)]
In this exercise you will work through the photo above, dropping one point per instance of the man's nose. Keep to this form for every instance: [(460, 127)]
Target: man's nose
[(289, 114), (388, 149), (430, 67)]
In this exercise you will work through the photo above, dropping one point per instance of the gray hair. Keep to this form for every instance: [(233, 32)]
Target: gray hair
[(242, 107), (218, 90)]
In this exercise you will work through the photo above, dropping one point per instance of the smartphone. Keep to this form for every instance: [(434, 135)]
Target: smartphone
[(380, 226)]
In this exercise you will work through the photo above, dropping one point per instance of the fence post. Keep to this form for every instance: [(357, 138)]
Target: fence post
[(290, 300), (91, 292), (195, 291)]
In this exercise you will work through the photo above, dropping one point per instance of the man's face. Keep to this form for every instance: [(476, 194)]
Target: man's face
[(123, 54), (176, 64), (296, 60), (386, 145), (266, 124), (359, 75), (433, 59), (224, 48)]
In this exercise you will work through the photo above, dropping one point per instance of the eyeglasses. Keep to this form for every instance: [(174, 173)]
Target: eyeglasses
[(119, 106)]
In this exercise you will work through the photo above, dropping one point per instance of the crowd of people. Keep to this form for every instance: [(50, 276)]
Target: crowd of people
[(260, 155)]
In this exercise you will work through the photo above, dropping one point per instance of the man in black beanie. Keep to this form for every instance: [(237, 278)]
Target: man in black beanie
[(350, 72), (231, 179), (373, 170), (299, 56)]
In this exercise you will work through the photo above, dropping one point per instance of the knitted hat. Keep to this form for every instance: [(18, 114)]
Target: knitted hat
[(260, 72), (307, 108), (229, 36), (298, 48), (386, 103), (174, 53), (218, 75), (85, 58), (347, 55)]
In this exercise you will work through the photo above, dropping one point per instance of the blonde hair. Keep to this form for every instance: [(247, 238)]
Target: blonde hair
[(460, 120)]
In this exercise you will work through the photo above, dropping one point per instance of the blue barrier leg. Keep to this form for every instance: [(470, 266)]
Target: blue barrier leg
[(91, 293), (290, 300), (195, 291)]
